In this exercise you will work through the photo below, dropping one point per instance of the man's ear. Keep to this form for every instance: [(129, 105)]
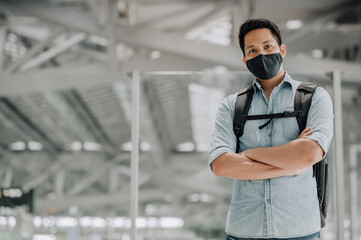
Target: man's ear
[(244, 60), (283, 50)]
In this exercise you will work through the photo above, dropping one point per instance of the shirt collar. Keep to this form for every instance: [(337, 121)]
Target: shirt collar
[(286, 79)]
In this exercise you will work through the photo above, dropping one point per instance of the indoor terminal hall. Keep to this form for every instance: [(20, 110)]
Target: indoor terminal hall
[(180, 119)]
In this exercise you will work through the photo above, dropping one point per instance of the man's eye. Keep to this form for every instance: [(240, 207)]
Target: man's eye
[(268, 46), (252, 50)]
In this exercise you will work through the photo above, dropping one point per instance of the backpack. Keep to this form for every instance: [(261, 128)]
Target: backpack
[(302, 103)]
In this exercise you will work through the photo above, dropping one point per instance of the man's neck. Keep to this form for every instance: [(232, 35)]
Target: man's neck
[(269, 84)]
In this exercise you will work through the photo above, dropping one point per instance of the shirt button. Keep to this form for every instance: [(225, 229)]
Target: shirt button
[(269, 134), (268, 200)]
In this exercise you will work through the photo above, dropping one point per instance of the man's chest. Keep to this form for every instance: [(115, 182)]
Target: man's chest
[(280, 130)]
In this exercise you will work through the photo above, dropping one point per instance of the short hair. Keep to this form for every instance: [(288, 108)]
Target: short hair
[(256, 23)]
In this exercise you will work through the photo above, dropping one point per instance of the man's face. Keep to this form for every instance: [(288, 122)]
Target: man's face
[(261, 41)]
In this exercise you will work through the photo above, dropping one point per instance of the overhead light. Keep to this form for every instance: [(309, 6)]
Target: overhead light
[(91, 146), (18, 146), (44, 237), (35, 146), (317, 53), (98, 40), (185, 147), (98, 222), (126, 146), (37, 221), (153, 55), (85, 221), (194, 197), (66, 222), (171, 222), (145, 146), (76, 146), (294, 24), (200, 197)]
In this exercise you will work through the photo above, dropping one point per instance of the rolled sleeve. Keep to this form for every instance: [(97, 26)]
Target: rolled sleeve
[(223, 139), (320, 119)]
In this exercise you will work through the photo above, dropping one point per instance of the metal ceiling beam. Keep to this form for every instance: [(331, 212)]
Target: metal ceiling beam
[(33, 32), (35, 50), (3, 31), (152, 39), (44, 175), (41, 82), (193, 6), (78, 130), (93, 176), (14, 114), (52, 52), (5, 151), (126, 171), (207, 17), (319, 23), (175, 43), (317, 41), (84, 113), (7, 178)]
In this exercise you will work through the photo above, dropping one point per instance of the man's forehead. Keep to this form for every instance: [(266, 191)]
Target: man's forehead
[(259, 35), (251, 44)]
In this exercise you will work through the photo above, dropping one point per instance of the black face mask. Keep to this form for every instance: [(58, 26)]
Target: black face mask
[(265, 66)]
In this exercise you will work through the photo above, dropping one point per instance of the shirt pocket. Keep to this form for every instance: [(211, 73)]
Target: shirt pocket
[(290, 125)]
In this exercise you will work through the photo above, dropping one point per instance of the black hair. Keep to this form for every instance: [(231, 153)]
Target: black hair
[(256, 23)]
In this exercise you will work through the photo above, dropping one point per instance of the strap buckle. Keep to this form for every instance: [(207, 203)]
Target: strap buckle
[(289, 114), (236, 130)]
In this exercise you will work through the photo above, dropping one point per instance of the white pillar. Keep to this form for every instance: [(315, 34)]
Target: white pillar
[(340, 200), (134, 154), (354, 149)]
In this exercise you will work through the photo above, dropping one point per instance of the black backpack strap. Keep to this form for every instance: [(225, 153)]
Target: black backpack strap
[(243, 104), (303, 100)]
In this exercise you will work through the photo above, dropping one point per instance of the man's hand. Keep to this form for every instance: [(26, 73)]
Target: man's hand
[(306, 132)]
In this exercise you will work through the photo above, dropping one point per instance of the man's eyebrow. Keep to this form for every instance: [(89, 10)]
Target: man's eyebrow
[(262, 43)]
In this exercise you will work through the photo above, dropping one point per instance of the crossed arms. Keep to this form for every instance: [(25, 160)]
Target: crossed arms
[(270, 162)]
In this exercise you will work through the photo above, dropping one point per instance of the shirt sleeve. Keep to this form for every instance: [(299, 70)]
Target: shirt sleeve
[(223, 138), (320, 119)]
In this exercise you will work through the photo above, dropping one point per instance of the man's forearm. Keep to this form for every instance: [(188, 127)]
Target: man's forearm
[(297, 154), (236, 166)]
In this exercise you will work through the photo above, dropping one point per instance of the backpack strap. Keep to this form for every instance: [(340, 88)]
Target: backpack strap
[(303, 100), (243, 104)]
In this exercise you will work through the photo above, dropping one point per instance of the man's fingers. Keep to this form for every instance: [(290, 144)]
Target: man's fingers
[(306, 132)]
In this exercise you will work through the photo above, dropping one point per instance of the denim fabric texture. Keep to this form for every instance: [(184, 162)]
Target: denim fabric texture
[(282, 207), (314, 236)]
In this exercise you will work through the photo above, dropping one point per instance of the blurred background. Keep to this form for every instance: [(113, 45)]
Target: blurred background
[(83, 81)]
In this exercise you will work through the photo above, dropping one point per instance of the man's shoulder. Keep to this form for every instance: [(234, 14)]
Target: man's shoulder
[(230, 99)]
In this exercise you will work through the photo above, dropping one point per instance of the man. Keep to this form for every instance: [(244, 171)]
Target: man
[(274, 194)]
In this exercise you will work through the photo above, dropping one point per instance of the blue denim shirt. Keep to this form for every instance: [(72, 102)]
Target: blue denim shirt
[(281, 207)]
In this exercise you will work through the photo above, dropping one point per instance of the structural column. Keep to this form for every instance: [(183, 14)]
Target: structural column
[(134, 182), (340, 199)]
